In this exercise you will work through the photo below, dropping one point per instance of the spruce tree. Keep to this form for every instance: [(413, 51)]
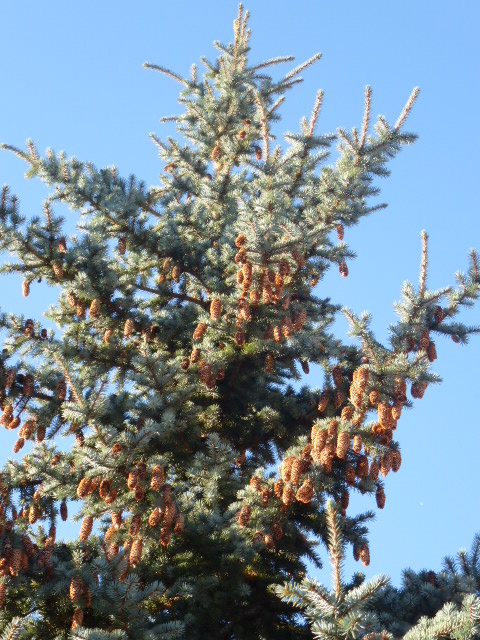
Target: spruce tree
[(185, 312)]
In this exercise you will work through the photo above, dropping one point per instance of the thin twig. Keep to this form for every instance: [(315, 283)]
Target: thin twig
[(316, 111), (424, 264), (366, 116), (407, 108)]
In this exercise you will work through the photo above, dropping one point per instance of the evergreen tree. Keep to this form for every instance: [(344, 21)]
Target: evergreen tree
[(183, 314), (353, 610)]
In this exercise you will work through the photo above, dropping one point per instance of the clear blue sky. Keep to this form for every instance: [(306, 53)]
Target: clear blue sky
[(71, 78)]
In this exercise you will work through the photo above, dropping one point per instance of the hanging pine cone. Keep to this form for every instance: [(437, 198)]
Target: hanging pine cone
[(300, 319), (58, 270), (204, 371), (286, 302), (104, 489), (278, 488), (80, 309), (337, 375), (29, 328), (269, 543), (397, 411), (220, 375), (295, 471), (179, 525), (122, 245), (332, 428), (61, 390), (306, 491), (10, 379), (396, 461), (241, 256), (28, 385), (256, 483), (18, 445), (254, 297), (347, 412), (216, 153), (305, 367), (195, 356), (424, 340), (169, 516), (83, 488), (63, 511), (362, 467), (139, 493), (239, 338), (258, 152), (135, 524), (340, 232), (338, 398), (386, 463), (94, 308), (287, 327), (77, 587), (28, 546), (345, 499), (129, 328), (343, 444), (108, 335), (240, 240), (267, 293), (16, 562), (269, 363), (132, 479), (77, 619), (323, 401), (72, 299), (136, 552), (27, 429), (418, 389), (356, 396), (185, 363), (155, 517), (176, 273), (286, 468), (357, 443), (244, 515), (277, 333), (299, 259), (384, 415), (374, 471), (86, 528), (365, 555), (200, 331), (215, 309), (25, 288), (350, 475), (287, 495), (380, 497), (342, 267), (158, 478), (431, 352), (320, 439), (438, 314), (266, 495), (277, 531)]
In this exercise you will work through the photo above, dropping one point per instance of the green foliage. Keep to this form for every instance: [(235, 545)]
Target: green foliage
[(163, 402)]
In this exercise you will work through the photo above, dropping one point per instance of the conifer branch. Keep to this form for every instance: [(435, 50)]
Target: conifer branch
[(407, 108), (300, 68), (366, 117), (167, 72), (423, 265), (315, 113)]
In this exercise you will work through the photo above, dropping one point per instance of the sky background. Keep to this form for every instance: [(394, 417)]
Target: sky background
[(71, 78)]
